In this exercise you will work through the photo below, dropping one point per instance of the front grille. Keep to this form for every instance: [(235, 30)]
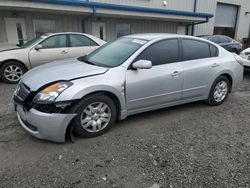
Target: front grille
[(22, 91)]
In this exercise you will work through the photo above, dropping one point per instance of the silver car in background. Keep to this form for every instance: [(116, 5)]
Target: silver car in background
[(133, 74), (44, 49)]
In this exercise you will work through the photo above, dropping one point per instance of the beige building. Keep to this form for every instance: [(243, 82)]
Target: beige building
[(20, 21)]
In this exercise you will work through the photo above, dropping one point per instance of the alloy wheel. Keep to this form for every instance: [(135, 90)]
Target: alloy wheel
[(220, 91), (13, 73), (95, 117)]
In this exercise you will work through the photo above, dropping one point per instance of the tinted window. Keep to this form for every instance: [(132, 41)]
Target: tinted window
[(193, 49), (162, 52), (215, 39), (213, 51), (225, 39), (80, 40), (58, 41)]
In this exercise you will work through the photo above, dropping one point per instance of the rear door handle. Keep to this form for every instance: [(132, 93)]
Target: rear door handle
[(215, 65), (176, 73), (64, 52)]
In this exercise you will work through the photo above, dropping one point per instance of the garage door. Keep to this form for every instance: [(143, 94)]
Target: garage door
[(225, 20), (226, 15)]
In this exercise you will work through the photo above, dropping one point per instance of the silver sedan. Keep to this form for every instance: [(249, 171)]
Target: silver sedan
[(131, 75)]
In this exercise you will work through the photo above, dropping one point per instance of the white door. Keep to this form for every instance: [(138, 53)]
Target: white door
[(53, 48), (99, 30), (16, 31)]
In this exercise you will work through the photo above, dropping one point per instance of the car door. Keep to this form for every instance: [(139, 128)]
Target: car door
[(162, 84), (226, 43), (52, 48), (199, 64), (81, 45)]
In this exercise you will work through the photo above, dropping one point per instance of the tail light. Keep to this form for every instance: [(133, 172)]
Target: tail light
[(240, 60)]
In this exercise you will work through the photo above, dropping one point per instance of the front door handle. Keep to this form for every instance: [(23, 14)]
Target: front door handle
[(64, 52), (215, 65), (176, 73)]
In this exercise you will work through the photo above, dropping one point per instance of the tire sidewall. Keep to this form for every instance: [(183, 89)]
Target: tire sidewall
[(6, 64), (79, 130), (211, 99)]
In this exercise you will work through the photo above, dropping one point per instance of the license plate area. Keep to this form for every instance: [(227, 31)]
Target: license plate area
[(21, 111)]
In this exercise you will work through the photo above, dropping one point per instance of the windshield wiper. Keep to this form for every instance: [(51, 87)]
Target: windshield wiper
[(83, 59)]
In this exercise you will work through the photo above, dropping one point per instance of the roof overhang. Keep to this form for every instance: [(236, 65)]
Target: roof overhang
[(108, 9)]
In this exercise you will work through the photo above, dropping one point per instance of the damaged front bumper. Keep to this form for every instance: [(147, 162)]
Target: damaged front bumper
[(47, 126)]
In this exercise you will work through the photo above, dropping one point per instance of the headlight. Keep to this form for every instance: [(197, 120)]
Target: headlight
[(50, 93)]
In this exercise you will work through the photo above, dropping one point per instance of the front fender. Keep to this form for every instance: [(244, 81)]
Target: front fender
[(86, 86)]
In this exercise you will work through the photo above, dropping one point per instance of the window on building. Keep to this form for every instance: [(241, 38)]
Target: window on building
[(58, 41), (122, 30), (162, 52), (44, 26), (193, 49), (80, 40)]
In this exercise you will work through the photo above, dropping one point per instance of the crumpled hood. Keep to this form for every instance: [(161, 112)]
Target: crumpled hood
[(59, 70)]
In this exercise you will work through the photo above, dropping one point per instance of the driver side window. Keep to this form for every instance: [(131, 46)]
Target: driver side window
[(162, 52), (58, 41)]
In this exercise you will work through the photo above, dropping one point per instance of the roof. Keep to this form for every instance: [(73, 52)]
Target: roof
[(153, 36), (50, 34)]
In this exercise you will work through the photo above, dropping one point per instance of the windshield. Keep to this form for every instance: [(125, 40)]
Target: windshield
[(115, 53), (31, 42)]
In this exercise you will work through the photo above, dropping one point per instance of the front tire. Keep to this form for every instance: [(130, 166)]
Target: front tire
[(12, 71), (95, 116), (219, 91)]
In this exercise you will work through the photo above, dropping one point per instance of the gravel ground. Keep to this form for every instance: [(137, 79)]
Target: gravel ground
[(191, 145)]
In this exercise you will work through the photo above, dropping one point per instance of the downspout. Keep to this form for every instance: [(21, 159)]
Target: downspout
[(193, 24), (194, 10), (94, 11)]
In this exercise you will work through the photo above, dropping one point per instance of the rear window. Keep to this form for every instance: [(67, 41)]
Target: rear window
[(215, 39), (224, 39), (214, 51)]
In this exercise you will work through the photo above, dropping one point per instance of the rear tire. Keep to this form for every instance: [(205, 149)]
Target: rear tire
[(219, 91), (12, 71), (95, 116)]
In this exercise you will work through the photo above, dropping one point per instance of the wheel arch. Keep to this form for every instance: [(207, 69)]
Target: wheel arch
[(114, 93), (227, 74), (229, 77), (18, 61), (111, 95)]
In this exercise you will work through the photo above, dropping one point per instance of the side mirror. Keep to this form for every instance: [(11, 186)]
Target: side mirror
[(38, 47), (142, 64)]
